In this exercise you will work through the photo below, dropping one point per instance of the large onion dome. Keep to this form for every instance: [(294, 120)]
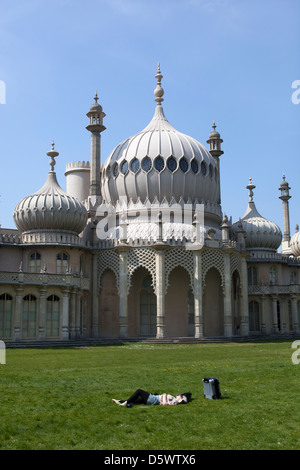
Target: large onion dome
[(160, 163), (261, 233), (50, 215)]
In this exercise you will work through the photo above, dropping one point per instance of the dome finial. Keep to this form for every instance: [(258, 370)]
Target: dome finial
[(96, 97), (250, 187), (159, 92), (52, 154)]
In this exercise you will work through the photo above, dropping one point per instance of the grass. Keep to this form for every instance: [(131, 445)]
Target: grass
[(62, 398)]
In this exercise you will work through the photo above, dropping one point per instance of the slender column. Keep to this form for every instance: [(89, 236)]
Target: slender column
[(295, 315), (95, 163), (43, 313), (160, 293), (95, 296), (72, 315), (77, 314), (274, 313), (198, 295), (18, 314), (227, 297), (245, 302), (123, 292), (65, 314), (263, 328)]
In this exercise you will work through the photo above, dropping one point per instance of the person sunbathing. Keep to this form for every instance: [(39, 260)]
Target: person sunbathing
[(141, 397)]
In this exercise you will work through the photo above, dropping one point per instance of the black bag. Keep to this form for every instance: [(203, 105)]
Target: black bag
[(211, 388)]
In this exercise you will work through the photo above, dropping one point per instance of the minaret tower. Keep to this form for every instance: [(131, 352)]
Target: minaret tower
[(95, 127), (215, 150), (285, 196)]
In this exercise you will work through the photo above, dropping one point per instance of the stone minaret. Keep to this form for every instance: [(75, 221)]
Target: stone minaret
[(285, 196), (215, 150), (95, 127)]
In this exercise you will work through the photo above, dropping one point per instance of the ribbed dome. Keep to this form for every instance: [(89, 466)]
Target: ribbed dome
[(50, 209), (160, 163), (261, 233)]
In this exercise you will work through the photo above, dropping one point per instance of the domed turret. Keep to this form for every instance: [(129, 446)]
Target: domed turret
[(261, 234), (50, 215), (161, 164)]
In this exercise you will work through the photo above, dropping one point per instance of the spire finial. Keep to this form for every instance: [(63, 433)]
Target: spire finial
[(159, 92), (96, 97), (214, 125), (52, 154), (250, 187)]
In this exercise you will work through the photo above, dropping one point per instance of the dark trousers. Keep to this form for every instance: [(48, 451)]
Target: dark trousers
[(139, 397)]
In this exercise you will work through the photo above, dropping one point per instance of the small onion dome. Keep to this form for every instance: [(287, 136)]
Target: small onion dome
[(261, 233), (96, 107), (50, 208), (214, 134), (295, 243)]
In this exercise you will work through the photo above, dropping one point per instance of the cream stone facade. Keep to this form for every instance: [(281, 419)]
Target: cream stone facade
[(139, 247)]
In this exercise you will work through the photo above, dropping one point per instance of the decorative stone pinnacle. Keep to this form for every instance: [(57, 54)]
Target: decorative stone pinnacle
[(158, 92), (52, 154), (96, 97), (250, 187), (214, 126)]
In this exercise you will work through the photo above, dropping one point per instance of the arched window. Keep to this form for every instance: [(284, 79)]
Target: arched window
[(29, 316), (254, 323), (5, 315), (35, 262), (62, 263), (52, 318)]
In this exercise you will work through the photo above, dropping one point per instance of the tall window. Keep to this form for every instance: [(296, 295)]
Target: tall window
[(254, 324), (252, 276), (5, 315), (147, 308), (273, 275), (35, 263), (29, 316), (52, 318), (62, 262)]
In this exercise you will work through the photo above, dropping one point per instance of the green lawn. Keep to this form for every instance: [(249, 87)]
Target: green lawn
[(62, 398)]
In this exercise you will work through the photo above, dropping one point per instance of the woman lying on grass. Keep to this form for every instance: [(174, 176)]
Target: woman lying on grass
[(140, 397)]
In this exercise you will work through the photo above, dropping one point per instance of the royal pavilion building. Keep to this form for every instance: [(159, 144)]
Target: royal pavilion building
[(138, 247)]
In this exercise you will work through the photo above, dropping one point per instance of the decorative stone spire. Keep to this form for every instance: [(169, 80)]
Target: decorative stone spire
[(251, 187), (159, 92), (95, 127), (215, 150), (52, 154), (285, 196)]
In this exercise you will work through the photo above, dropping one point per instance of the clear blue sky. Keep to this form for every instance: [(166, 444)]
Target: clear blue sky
[(232, 61)]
